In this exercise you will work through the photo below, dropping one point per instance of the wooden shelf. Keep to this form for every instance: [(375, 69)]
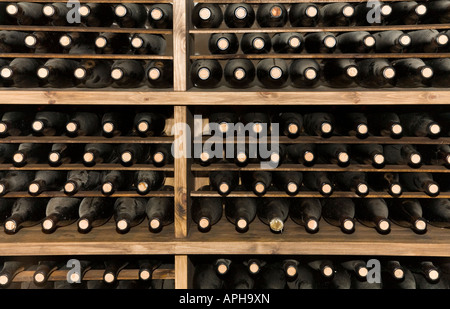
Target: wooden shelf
[(87, 139), (114, 29), (89, 194), (82, 167), (86, 56), (276, 1), (108, 1), (322, 56)]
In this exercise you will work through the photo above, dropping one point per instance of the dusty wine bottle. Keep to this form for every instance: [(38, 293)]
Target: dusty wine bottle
[(258, 181), (305, 73), (373, 213), (112, 270), (60, 211), (318, 181), (411, 72), (61, 153), (161, 155), (419, 124), (56, 13), (223, 43), (340, 73), (239, 73), (241, 211), (352, 124), (363, 11), (15, 181), (206, 211), (272, 73), (385, 124), (116, 123), (289, 181), (131, 153), (287, 42), (391, 41), (128, 212), (58, 73), (98, 153), (427, 41), (407, 213), (148, 44), (239, 15), (320, 42), (93, 212), (291, 123), (130, 15), (21, 72), (26, 13), (79, 180), (356, 267), (386, 182), (112, 43), (333, 153), (40, 42), (149, 123), (96, 14), (356, 42), (306, 212), (159, 73), (83, 124), (29, 153), (46, 181), (147, 267), (13, 41), (352, 181), (271, 15), (160, 16), (318, 124), (340, 212), (375, 73), (78, 42), (304, 15), (146, 181), (206, 73), (115, 180), (94, 73), (43, 271), (368, 154), (160, 211), (427, 270), (224, 181), (420, 182), (49, 123), (15, 123), (256, 43), (274, 213), (25, 212), (9, 270), (402, 154), (337, 14), (406, 13), (207, 15), (127, 73)]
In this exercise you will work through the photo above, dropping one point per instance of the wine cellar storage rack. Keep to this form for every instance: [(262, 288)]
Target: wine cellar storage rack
[(182, 239)]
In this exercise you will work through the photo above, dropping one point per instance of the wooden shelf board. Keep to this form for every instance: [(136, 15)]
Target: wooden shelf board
[(277, 1), (89, 194), (87, 139), (322, 56), (110, 1), (227, 96), (322, 167), (82, 167), (86, 56), (113, 29)]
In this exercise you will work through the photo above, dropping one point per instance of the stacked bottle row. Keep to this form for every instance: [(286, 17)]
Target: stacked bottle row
[(377, 213), (243, 15), (109, 269), (68, 73), (86, 213), (310, 73), (319, 272), (123, 15)]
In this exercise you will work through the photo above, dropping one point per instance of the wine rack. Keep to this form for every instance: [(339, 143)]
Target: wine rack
[(182, 241)]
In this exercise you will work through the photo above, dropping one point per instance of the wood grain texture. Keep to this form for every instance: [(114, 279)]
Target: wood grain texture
[(87, 139), (114, 29), (90, 194), (82, 167), (184, 272), (86, 56), (323, 56), (181, 18)]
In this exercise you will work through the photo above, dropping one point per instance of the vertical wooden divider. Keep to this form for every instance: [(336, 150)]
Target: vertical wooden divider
[(181, 44), (183, 272)]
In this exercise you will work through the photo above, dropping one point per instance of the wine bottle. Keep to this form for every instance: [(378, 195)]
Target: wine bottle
[(323, 266), (43, 271), (256, 43), (25, 212), (239, 15), (6, 206), (356, 267), (146, 181), (7, 152), (398, 277), (391, 41), (60, 211), (21, 72), (206, 277), (239, 278), (147, 267), (271, 15), (206, 73), (305, 73), (352, 181), (427, 41), (93, 212), (131, 153), (224, 120), (337, 14), (304, 15), (287, 42), (318, 181), (149, 123), (291, 123), (402, 154), (112, 270), (128, 212), (339, 212), (206, 211), (29, 153), (320, 42), (353, 124), (411, 72), (318, 123), (340, 73), (15, 181), (26, 13), (46, 181), (49, 123), (289, 181), (116, 123), (302, 153), (291, 269), (435, 154), (40, 42), (306, 212), (131, 15), (388, 181), (127, 73), (13, 41), (98, 153), (406, 13), (272, 73), (112, 43), (56, 13), (9, 270), (78, 42), (64, 153), (83, 124), (223, 43), (419, 124), (407, 213), (94, 74), (258, 181), (160, 16), (334, 154), (97, 14), (79, 180), (274, 213), (15, 123), (364, 14), (420, 181), (115, 180), (368, 154), (254, 266), (437, 212), (385, 124), (356, 42), (239, 73), (272, 277), (160, 211), (438, 12), (58, 73), (222, 266), (375, 73), (161, 155), (373, 213), (440, 69), (207, 15), (241, 211), (148, 44), (224, 181), (160, 73)]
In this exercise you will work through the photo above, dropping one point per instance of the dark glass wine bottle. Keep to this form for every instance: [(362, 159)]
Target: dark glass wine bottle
[(373, 213), (40, 42), (241, 211), (340, 212), (256, 43), (79, 180), (258, 181), (160, 211), (13, 41), (25, 212), (340, 73), (128, 212), (287, 42), (306, 212), (333, 154), (115, 180), (207, 15), (239, 15), (224, 182), (206, 211), (319, 124), (146, 181), (160, 16), (419, 124), (375, 73), (318, 181), (83, 124), (385, 124), (304, 15), (407, 213), (49, 123), (272, 73), (60, 211), (391, 41), (305, 73), (159, 73), (239, 73), (131, 15), (271, 15), (206, 73), (402, 154), (388, 181), (94, 212), (94, 73), (149, 123), (58, 73), (112, 43), (45, 180), (352, 181), (368, 154), (427, 41), (356, 42), (148, 44), (406, 13), (420, 182), (337, 14), (289, 181), (320, 42), (127, 73), (29, 153), (223, 43), (411, 72)]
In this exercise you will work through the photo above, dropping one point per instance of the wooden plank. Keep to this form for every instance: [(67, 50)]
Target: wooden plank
[(323, 56), (82, 167), (181, 19), (183, 272), (87, 139), (86, 56), (90, 194), (114, 29), (283, 1), (103, 1)]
